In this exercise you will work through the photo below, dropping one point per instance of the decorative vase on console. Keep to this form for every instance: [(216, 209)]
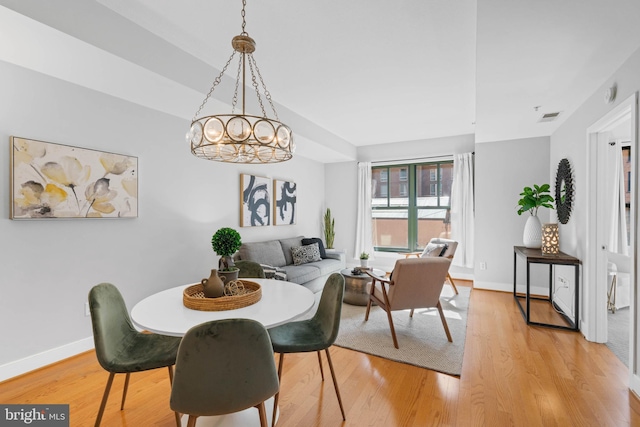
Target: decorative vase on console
[(531, 199)]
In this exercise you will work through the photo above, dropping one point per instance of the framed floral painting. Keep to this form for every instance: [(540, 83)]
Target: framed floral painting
[(60, 181), (255, 201), (284, 205)]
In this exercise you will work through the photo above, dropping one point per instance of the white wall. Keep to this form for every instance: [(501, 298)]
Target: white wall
[(503, 169), (50, 265), (341, 188)]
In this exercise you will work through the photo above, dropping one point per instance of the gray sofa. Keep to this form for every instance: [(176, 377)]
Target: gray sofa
[(277, 253)]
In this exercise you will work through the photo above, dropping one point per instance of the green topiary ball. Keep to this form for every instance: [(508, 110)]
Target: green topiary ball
[(226, 241)]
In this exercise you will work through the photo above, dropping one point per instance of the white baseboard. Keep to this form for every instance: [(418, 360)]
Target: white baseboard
[(508, 287), (22, 366)]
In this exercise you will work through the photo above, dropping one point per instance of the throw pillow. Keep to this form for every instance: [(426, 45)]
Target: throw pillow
[(434, 250), (271, 272), (311, 241), (306, 253)]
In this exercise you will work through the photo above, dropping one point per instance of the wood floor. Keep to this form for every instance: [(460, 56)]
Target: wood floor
[(512, 375)]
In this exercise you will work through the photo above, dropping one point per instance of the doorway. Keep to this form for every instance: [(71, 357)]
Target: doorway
[(609, 269)]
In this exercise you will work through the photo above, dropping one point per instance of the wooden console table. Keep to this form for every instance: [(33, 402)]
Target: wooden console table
[(535, 256)]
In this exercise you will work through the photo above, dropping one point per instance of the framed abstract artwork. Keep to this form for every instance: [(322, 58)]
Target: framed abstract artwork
[(284, 205), (60, 181), (255, 201)]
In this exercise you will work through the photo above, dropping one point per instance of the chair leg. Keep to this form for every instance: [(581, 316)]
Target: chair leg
[(192, 421), (366, 316), (275, 398), (444, 322), (411, 313), (335, 382), (177, 414), (452, 284), (124, 392), (393, 330), (263, 414), (320, 363), (105, 396)]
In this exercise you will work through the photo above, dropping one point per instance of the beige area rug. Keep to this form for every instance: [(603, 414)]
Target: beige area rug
[(422, 339)]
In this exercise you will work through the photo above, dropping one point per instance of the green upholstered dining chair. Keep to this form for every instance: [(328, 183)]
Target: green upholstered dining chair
[(120, 348), (250, 269), (224, 366), (315, 334)]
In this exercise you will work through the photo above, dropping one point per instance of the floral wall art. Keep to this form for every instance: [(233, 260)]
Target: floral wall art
[(284, 206), (59, 181), (255, 200)]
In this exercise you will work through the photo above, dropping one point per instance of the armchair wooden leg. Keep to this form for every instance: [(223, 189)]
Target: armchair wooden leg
[(275, 398), (366, 315), (411, 313), (192, 421), (444, 322), (105, 396), (320, 363), (393, 331), (452, 284), (335, 383), (124, 392)]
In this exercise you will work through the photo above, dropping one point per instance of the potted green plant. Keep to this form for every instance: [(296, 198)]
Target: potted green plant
[(226, 242), (364, 259), (530, 201), (329, 229)]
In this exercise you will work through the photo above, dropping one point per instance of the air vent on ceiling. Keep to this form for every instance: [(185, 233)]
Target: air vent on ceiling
[(549, 117)]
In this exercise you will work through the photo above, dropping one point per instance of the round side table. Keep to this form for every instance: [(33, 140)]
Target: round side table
[(356, 291)]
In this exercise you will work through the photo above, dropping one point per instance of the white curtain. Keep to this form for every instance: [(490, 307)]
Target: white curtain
[(462, 209), (618, 230), (363, 221)]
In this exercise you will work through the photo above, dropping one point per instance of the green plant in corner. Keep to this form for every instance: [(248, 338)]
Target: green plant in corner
[(329, 229), (533, 198), (225, 242), (364, 255)]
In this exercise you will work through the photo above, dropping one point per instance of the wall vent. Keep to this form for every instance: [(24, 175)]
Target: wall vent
[(549, 117)]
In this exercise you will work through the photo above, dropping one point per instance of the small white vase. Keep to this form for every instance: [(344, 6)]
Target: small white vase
[(532, 236), (364, 263)]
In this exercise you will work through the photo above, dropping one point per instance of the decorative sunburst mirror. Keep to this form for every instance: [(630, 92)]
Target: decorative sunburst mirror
[(564, 191)]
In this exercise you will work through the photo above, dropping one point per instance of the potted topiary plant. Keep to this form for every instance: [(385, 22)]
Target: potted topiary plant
[(225, 242), (532, 199), (364, 259)]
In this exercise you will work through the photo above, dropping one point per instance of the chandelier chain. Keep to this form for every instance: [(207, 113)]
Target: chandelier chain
[(254, 83), (244, 22), (216, 81), (235, 92), (267, 94)]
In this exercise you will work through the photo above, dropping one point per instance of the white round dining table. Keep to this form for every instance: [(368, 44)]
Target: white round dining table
[(164, 312)]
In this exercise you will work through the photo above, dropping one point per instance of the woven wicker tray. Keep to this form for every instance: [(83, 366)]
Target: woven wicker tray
[(193, 298)]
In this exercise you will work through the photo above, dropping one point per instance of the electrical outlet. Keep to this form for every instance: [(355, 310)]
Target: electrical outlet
[(86, 309), (483, 265)]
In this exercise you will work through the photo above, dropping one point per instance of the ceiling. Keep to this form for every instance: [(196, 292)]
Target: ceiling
[(362, 72)]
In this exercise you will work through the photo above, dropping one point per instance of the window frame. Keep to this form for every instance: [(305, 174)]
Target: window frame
[(412, 209)]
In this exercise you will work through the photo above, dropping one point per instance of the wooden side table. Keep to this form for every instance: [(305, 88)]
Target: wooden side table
[(535, 256)]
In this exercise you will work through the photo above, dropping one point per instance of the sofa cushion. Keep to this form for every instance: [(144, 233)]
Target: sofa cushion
[(327, 266), (301, 273), (312, 240), (305, 254), (269, 252), (287, 244)]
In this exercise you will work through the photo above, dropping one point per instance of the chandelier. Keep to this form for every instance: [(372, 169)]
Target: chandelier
[(241, 137)]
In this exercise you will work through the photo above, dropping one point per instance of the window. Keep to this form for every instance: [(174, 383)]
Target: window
[(410, 205)]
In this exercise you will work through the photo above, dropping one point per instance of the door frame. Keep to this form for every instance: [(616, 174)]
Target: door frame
[(594, 323)]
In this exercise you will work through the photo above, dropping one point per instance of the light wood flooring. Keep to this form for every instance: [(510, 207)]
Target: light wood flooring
[(512, 375)]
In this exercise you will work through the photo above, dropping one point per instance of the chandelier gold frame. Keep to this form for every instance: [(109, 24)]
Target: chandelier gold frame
[(241, 138)]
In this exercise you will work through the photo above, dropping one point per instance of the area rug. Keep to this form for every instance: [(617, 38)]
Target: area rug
[(421, 339)]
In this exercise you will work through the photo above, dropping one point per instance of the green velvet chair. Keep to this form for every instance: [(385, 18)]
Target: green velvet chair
[(315, 334), (224, 366), (249, 270), (120, 348)]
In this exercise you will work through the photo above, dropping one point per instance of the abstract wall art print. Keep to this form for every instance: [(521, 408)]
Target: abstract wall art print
[(255, 201), (60, 181), (284, 205)]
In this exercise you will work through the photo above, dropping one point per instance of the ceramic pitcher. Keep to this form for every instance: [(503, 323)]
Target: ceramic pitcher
[(213, 287)]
